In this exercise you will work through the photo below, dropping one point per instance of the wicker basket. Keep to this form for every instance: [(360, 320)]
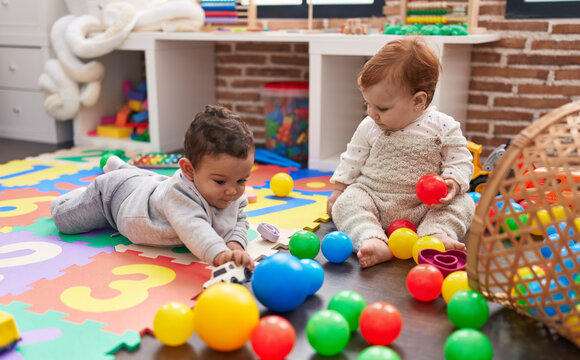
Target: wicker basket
[(522, 250)]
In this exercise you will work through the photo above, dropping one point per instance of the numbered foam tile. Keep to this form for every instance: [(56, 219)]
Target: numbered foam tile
[(121, 290), (27, 258), (179, 255), (20, 207), (291, 212), (261, 174), (81, 156), (49, 336), (19, 173), (97, 238)]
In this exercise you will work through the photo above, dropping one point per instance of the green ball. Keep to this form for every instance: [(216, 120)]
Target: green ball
[(349, 304), (467, 344), (304, 244), (327, 332), (104, 159), (378, 352), (468, 309)]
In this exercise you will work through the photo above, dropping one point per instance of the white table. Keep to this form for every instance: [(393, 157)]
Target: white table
[(180, 72)]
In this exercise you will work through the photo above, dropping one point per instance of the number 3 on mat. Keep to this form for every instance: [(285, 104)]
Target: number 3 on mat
[(133, 292)]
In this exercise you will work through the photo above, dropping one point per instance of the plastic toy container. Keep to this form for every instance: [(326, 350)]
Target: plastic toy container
[(286, 111)]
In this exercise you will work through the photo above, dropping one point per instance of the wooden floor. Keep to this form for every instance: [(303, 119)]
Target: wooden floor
[(425, 325)]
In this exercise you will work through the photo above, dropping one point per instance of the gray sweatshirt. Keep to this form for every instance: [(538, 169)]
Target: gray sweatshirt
[(170, 211)]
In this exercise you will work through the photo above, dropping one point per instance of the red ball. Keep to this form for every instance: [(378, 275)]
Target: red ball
[(273, 338), (431, 188), (400, 223), (424, 282), (380, 323)]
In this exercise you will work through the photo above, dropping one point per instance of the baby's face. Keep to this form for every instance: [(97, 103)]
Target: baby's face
[(392, 107), (221, 179)]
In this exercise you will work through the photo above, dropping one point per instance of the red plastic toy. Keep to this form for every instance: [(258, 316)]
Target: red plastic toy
[(273, 338), (424, 282), (431, 188), (400, 223), (380, 323)]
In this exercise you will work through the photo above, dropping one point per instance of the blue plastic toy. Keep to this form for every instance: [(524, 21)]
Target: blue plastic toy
[(315, 275), (269, 157), (336, 247), (280, 282)]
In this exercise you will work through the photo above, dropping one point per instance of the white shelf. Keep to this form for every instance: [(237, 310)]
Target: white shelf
[(180, 71)]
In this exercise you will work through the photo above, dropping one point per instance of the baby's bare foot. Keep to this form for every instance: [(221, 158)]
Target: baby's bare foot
[(449, 242), (373, 251)]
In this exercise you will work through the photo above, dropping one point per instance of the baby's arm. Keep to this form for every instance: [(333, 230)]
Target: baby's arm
[(238, 240), (237, 254), (336, 192)]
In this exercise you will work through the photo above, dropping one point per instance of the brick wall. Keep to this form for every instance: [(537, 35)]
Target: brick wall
[(534, 68)]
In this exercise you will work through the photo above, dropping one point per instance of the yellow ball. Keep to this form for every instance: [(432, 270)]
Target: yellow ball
[(453, 283), (173, 324), (426, 242), (281, 184), (225, 316), (558, 212), (526, 271), (401, 243)]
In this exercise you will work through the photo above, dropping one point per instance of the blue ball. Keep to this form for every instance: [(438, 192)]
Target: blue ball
[(280, 282), (336, 247), (475, 196), (315, 274)]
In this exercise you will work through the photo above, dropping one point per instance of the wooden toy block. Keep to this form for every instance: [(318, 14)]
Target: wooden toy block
[(140, 116), (136, 95), (123, 116), (117, 132), (135, 105), (108, 120)]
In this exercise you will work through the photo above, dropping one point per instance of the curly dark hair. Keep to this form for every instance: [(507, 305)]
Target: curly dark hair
[(217, 130)]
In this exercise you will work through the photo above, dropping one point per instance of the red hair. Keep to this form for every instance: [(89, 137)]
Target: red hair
[(408, 62)]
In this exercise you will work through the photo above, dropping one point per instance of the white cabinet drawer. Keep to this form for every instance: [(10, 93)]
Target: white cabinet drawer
[(22, 13), (22, 116), (20, 67)]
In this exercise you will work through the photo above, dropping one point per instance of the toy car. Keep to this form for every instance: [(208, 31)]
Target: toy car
[(229, 272), (9, 335)]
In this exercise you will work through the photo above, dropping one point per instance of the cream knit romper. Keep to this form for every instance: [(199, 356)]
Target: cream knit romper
[(385, 191)]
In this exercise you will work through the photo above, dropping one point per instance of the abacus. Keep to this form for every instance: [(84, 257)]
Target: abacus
[(441, 12), (156, 160), (225, 14)]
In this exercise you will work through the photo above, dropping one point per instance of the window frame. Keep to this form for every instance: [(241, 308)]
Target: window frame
[(521, 9), (321, 11)]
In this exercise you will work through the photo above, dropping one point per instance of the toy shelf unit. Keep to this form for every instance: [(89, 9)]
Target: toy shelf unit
[(230, 14), (429, 12)]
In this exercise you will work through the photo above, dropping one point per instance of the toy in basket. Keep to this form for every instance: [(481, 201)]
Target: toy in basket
[(522, 246), (156, 160)]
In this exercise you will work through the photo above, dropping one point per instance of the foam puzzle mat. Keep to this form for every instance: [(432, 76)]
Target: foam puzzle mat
[(86, 296)]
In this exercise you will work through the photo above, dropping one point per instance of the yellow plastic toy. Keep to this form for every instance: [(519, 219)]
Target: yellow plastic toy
[(9, 335), (281, 184), (426, 242), (401, 243), (453, 283), (225, 316), (173, 324)]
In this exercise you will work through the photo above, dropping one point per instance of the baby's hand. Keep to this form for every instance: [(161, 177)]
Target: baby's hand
[(452, 190), (240, 257)]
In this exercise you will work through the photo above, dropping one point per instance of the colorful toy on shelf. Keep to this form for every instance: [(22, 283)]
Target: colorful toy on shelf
[(336, 247), (173, 324), (9, 335), (131, 119), (304, 244), (220, 14), (446, 261), (225, 315), (156, 160), (442, 12), (355, 27), (424, 282), (380, 323), (286, 108), (281, 184), (273, 338), (327, 332), (481, 172)]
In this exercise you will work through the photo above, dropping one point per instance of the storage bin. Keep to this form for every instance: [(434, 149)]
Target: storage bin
[(286, 111)]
